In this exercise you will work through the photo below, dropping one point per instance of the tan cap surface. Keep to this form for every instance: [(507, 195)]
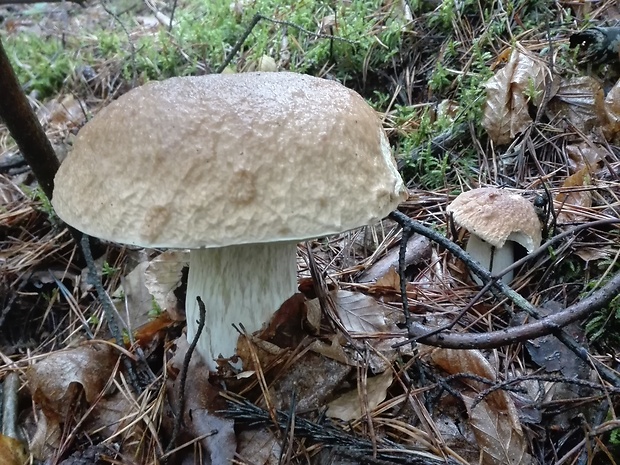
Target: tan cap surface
[(219, 160), (496, 215)]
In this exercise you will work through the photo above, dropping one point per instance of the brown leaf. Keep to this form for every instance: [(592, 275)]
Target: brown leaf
[(585, 155), (506, 112), (498, 441), (574, 200), (312, 377), (358, 312), (259, 446), (612, 110), (348, 406), (57, 380), (12, 451), (149, 336), (333, 350), (579, 102), (473, 361), (64, 112), (390, 280), (285, 329)]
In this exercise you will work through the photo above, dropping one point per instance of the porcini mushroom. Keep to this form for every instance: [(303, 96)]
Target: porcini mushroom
[(238, 168), (495, 219)]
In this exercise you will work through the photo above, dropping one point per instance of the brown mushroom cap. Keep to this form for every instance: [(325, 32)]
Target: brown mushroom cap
[(497, 216), (219, 160)]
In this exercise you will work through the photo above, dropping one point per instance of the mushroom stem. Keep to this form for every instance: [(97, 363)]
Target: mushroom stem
[(494, 259), (239, 284)]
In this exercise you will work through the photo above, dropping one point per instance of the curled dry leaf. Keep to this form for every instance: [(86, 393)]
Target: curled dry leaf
[(62, 113), (333, 350), (509, 94), (348, 407), (585, 155), (572, 198), (579, 103), (455, 361), (612, 111), (163, 275), (57, 381), (312, 377), (499, 442), (132, 299)]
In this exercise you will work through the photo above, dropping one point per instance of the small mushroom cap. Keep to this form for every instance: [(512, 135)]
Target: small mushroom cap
[(220, 160), (497, 216)]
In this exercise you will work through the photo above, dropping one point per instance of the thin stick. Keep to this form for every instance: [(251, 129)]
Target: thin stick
[(178, 421), (108, 310)]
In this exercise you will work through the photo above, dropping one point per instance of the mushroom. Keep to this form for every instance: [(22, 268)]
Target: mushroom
[(238, 168), (495, 219)]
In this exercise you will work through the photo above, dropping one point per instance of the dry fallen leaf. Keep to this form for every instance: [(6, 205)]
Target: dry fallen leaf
[(57, 380), (585, 155), (473, 361), (579, 103), (259, 446), (572, 199), (612, 110), (348, 406), (418, 251), (499, 443), (12, 451), (163, 275), (509, 93), (64, 112), (359, 313), (132, 299), (202, 402), (312, 377)]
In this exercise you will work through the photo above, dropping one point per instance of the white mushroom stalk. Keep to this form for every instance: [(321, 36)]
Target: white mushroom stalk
[(494, 259), (240, 284)]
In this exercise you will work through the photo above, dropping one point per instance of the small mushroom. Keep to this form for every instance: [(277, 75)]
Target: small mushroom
[(238, 168), (495, 219)]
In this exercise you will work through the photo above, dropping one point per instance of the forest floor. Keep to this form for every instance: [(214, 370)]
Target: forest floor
[(472, 94)]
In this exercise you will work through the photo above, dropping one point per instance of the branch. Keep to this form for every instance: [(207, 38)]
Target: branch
[(548, 325), (25, 128)]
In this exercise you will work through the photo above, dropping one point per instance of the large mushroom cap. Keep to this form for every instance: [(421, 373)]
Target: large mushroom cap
[(497, 216), (219, 160)]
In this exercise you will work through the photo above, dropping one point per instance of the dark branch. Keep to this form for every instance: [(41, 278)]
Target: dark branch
[(25, 128)]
